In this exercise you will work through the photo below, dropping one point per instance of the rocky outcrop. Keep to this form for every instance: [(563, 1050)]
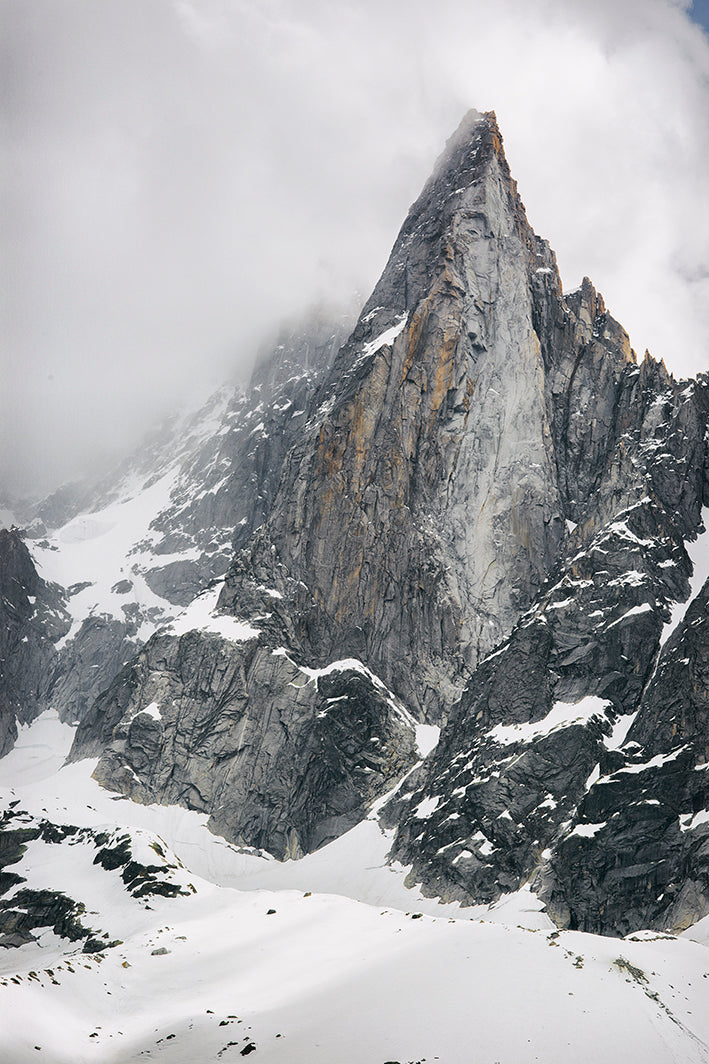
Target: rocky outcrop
[(141, 860), (226, 486), (196, 487), (89, 661), (32, 620), (283, 758), (534, 722), (513, 776)]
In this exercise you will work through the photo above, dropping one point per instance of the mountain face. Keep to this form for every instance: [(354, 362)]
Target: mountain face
[(126, 554), (638, 850), (421, 511), (475, 514)]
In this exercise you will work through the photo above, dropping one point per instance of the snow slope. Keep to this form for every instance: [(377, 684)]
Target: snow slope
[(276, 960), (102, 553), (101, 549)]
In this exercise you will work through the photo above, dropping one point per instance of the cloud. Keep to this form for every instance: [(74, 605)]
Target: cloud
[(181, 174)]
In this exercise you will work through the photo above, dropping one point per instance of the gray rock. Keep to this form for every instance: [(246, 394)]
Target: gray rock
[(421, 510), (32, 620), (89, 661), (281, 758), (637, 852)]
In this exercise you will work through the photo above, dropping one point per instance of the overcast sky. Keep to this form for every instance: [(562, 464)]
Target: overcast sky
[(180, 174)]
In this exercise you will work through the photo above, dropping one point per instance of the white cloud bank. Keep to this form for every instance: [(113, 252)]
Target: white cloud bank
[(181, 174)]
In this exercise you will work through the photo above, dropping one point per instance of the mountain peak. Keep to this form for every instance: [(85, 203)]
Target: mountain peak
[(474, 516), (470, 200)]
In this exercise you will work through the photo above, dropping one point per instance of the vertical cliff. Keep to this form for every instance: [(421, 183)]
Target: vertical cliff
[(421, 509)]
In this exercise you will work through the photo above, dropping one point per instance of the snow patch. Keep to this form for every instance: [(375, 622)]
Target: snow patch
[(634, 611), (386, 338), (426, 807), (153, 710), (427, 736), (699, 556), (689, 822), (587, 831), (201, 616), (619, 733), (655, 762), (561, 715)]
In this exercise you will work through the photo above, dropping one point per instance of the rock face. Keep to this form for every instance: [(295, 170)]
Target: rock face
[(284, 758), (421, 509), (225, 487), (32, 620), (482, 520), (89, 660), (547, 713), (638, 852)]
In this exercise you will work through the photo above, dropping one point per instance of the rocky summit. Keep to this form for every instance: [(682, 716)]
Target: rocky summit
[(473, 509)]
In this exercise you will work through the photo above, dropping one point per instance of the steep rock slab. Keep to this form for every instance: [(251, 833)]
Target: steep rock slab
[(32, 620), (283, 758), (89, 661), (421, 510)]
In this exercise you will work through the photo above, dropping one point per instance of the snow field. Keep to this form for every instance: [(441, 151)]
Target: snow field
[(201, 615), (561, 715), (86, 547), (342, 981), (391, 977)]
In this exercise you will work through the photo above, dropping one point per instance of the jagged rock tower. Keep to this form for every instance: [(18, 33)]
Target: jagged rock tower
[(481, 525)]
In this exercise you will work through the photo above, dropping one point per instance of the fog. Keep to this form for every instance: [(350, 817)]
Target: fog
[(181, 174)]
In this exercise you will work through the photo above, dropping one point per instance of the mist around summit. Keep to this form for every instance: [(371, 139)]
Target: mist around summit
[(182, 176)]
